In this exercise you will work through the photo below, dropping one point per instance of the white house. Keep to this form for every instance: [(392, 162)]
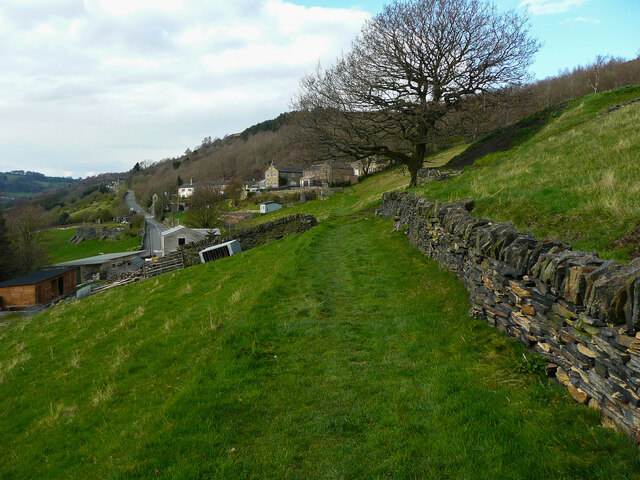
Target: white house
[(175, 237), (186, 190), (268, 207)]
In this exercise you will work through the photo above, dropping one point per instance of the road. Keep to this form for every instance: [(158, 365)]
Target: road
[(152, 242)]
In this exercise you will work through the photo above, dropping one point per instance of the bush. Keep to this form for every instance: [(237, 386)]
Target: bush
[(531, 364), (137, 222), (64, 218)]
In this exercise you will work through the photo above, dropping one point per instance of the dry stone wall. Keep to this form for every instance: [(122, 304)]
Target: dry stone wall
[(252, 237), (580, 312)]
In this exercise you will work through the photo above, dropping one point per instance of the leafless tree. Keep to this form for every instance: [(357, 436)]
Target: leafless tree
[(595, 71), (26, 227), (205, 208), (410, 67)]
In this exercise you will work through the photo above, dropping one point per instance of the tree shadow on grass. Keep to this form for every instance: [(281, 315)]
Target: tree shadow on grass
[(505, 138)]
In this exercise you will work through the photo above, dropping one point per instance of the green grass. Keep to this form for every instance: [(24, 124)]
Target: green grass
[(332, 363), (576, 179), (60, 250), (366, 194), (338, 353)]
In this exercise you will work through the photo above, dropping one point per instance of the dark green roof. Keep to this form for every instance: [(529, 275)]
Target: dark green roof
[(34, 277)]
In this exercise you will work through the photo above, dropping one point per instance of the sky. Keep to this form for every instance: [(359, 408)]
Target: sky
[(93, 86)]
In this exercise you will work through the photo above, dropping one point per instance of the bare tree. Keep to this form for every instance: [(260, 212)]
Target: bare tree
[(595, 71), (26, 226), (7, 252), (206, 206), (407, 70)]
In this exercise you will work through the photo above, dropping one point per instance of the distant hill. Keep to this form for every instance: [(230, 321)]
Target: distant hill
[(19, 184), (244, 155)]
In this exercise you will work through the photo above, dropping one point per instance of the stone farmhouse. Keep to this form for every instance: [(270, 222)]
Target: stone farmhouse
[(282, 176), (329, 174)]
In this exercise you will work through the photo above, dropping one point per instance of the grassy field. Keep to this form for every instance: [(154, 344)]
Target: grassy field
[(577, 179), (60, 250), (332, 363)]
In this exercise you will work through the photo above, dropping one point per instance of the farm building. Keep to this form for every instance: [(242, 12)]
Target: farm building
[(329, 174), (268, 207), (282, 176), (37, 288), (225, 249), (103, 267), (177, 236)]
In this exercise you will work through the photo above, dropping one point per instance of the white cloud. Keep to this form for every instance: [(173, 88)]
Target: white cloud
[(97, 85), (550, 7), (583, 20)]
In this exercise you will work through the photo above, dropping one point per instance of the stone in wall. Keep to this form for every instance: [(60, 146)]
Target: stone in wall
[(92, 233), (580, 312), (431, 175), (253, 237)]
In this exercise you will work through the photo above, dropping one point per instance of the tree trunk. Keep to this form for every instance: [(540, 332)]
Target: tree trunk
[(415, 162)]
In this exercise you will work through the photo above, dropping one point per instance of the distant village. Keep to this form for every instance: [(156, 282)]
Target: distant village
[(285, 177), (77, 277)]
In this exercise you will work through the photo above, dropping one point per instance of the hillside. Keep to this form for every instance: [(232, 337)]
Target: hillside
[(314, 356), (574, 178), (27, 184), (244, 156)]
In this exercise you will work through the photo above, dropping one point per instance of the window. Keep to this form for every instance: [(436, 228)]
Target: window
[(180, 241), (268, 175)]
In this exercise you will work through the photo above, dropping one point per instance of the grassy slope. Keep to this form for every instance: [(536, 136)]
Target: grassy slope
[(361, 196), (60, 250), (332, 363), (576, 180)]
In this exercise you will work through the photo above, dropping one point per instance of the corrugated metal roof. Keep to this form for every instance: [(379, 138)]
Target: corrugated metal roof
[(34, 277), (97, 260), (172, 230)]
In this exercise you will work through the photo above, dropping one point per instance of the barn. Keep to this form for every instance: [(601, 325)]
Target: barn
[(36, 288)]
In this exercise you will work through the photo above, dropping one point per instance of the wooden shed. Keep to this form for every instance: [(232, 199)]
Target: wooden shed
[(37, 288)]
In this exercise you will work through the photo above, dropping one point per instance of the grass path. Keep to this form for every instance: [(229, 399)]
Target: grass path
[(350, 357)]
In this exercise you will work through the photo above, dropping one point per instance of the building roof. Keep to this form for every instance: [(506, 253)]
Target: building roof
[(335, 164), (203, 231), (34, 277), (187, 185), (287, 169), (270, 203), (98, 259), (171, 230)]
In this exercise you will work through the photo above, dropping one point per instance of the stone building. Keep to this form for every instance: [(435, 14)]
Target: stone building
[(282, 176), (329, 173), (103, 267)]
